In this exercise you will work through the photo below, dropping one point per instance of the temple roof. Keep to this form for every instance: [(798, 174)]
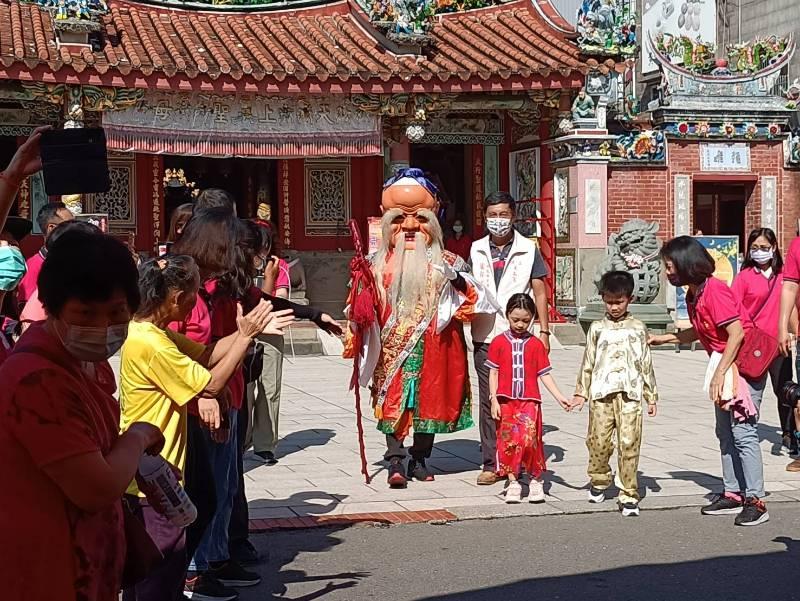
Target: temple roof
[(151, 46)]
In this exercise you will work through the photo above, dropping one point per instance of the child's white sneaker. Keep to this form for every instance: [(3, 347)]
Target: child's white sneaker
[(536, 494), (514, 493), (596, 495), (629, 509)]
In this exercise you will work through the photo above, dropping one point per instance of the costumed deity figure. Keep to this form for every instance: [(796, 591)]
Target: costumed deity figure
[(583, 106), (413, 351)]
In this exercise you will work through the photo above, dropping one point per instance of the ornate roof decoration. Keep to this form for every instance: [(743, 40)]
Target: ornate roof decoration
[(742, 59), (328, 44), (607, 28)]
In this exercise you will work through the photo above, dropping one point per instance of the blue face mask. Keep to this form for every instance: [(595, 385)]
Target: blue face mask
[(12, 267)]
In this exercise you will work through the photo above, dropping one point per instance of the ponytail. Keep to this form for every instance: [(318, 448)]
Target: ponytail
[(158, 277)]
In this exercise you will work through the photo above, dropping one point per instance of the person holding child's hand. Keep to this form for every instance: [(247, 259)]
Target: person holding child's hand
[(517, 360)]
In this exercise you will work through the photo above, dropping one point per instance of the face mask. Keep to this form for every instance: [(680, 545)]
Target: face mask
[(762, 256), (458, 229), (88, 343), (12, 267), (674, 279), (499, 226)]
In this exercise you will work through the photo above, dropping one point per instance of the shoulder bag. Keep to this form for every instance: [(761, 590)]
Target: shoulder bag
[(759, 349)]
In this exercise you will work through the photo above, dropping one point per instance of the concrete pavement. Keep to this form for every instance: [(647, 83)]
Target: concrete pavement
[(319, 467), (673, 555)]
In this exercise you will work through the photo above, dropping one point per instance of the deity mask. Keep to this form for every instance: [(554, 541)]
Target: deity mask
[(409, 192)]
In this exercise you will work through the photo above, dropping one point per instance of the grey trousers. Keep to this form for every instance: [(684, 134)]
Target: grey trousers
[(264, 396), (486, 424)]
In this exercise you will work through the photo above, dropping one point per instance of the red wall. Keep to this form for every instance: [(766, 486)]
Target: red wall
[(647, 192), (366, 180)]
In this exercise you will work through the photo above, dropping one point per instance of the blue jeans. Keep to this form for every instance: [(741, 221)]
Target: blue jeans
[(742, 465), (224, 469)]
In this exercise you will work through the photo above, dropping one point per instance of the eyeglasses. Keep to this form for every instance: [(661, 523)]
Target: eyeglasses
[(766, 248)]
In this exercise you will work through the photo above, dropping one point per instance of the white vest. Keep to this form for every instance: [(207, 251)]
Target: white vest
[(516, 278)]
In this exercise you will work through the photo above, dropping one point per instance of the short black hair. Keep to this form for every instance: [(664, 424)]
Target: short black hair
[(693, 263), (617, 283), (47, 213), (70, 226), (213, 198), (500, 198), (157, 277), (87, 266), (521, 301)]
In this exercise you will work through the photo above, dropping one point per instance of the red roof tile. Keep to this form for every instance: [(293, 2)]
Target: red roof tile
[(513, 40)]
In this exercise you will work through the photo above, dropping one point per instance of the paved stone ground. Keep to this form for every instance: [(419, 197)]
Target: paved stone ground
[(319, 469)]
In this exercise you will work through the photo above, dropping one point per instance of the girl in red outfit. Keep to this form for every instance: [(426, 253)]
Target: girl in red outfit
[(516, 361)]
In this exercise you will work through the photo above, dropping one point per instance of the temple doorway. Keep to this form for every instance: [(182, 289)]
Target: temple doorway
[(719, 209), (447, 165), (251, 181)]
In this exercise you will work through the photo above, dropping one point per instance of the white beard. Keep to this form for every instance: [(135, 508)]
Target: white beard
[(414, 282)]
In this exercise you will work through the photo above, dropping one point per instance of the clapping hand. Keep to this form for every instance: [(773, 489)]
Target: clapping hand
[(252, 324), (279, 321)]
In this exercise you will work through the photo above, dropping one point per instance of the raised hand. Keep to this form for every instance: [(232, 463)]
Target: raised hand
[(252, 324)]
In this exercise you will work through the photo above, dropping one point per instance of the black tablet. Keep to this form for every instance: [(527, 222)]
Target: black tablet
[(75, 161)]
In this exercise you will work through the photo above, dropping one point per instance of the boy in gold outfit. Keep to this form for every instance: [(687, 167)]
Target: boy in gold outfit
[(616, 377)]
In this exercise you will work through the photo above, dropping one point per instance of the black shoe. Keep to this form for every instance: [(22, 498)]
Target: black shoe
[(753, 514), (397, 479), (231, 573), (722, 505), (268, 457), (244, 553), (418, 471), (204, 587)]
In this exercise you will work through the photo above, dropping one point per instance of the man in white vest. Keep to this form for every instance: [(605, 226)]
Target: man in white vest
[(505, 263)]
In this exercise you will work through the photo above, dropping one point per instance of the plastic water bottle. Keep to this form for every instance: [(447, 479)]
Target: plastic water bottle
[(168, 492)]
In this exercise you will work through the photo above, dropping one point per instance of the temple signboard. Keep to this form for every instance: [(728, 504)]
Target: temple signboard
[(245, 126), (724, 157)]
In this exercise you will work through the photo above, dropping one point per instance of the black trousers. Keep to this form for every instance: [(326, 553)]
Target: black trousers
[(199, 484), (239, 528), (420, 449), (780, 372), (486, 424)]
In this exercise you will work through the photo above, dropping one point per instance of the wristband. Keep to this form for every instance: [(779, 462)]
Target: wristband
[(545, 332)]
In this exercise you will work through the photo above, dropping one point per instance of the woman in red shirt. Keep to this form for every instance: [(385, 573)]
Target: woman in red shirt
[(758, 287), (64, 462), (459, 243), (719, 322)]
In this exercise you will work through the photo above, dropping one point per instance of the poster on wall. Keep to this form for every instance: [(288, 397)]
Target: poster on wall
[(375, 234), (725, 252), (691, 18), (523, 177)]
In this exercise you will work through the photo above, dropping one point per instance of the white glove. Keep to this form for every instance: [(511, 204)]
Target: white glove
[(448, 272)]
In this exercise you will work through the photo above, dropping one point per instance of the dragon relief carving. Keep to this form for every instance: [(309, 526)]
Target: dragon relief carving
[(635, 249)]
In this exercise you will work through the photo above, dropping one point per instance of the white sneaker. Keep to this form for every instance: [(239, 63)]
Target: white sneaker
[(596, 495), (514, 493), (536, 494), (629, 510)]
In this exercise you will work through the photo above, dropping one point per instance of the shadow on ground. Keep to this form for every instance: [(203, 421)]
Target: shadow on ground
[(739, 577)]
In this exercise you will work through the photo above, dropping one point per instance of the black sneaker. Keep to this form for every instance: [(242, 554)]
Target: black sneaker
[(396, 479), (204, 587), (722, 505), (596, 495), (753, 514), (244, 553), (231, 573), (268, 457), (418, 471)]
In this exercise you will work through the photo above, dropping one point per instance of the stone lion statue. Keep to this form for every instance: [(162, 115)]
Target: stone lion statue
[(635, 249)]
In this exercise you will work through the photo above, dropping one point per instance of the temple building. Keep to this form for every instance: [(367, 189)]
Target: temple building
[(302, 108)]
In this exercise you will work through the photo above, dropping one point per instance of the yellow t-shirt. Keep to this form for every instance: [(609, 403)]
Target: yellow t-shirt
[(159, 375)]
